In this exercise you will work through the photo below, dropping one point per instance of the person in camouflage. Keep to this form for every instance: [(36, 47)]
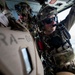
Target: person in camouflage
[(57, 49)]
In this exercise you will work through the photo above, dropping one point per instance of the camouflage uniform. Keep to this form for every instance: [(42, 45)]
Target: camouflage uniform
[(57, 46)]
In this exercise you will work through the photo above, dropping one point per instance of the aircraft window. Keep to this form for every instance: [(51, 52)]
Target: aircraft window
[(26, 59), (72, 30), (60, 15)]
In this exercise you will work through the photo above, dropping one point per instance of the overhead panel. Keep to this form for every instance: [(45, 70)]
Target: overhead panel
[(60, 4)]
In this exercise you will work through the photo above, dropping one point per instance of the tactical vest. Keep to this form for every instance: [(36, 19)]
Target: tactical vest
[(60, 38), (58, 45)]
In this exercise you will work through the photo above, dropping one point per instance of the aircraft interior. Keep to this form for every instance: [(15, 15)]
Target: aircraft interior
[(20, 26)]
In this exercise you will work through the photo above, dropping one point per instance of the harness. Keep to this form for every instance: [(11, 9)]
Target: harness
[(58, 45), (60, 38)]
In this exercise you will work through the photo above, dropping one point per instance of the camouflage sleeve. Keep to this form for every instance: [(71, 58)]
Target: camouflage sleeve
[(70, 19)]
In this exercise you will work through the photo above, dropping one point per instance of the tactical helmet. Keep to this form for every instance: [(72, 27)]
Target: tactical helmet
[(45, 11), (23, 8)]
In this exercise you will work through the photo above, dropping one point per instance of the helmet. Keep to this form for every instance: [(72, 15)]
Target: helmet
[(23, 8), (46, 11), (43, 14)]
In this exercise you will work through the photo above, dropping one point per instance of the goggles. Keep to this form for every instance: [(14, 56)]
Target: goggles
[(50, 20)]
